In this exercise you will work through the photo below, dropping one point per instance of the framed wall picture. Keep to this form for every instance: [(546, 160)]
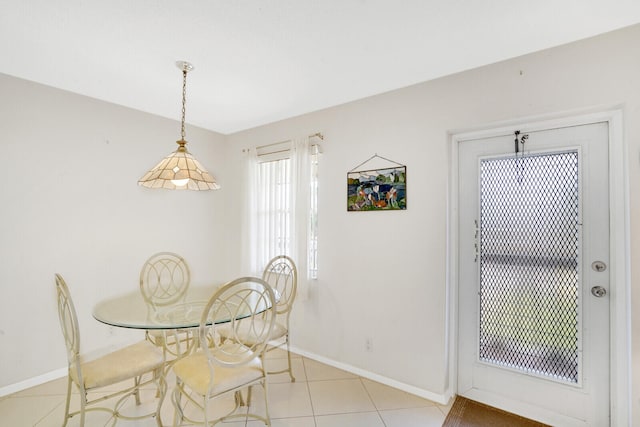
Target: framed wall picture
[(380, 189)]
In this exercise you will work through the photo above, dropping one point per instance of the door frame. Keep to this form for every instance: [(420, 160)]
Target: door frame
[(620, 283)]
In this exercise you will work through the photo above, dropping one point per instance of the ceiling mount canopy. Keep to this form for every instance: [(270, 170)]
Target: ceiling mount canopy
[(180, 170)]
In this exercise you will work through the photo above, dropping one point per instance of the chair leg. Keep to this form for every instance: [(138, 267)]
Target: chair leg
[(161, 384), (205, 406), (83, 406), (178, 415), (266, 402), (239, 399), (293, 379), (66, 408), (249, 395), (136, 393)]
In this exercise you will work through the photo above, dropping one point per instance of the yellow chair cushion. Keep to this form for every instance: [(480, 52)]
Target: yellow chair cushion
[(128, 362), (248, 338), (193, 370)]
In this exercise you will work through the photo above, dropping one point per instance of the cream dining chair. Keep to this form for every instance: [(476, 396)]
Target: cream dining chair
[(142, 363), (281, 273), (164, 280), (227, 364)]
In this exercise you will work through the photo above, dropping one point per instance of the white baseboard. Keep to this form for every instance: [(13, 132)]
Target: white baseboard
[(425, 394), (32, 382)]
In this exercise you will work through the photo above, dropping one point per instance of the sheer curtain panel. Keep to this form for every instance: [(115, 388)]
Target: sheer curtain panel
[(276, 211)]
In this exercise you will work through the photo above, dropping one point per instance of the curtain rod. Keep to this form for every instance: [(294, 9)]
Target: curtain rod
[(317, 134)]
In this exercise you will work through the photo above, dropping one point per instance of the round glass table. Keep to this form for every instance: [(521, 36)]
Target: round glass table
[(131, 310)]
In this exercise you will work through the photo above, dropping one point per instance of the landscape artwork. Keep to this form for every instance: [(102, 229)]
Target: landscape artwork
[(377, 189)]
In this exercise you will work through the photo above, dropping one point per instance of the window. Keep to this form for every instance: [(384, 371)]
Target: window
[(274, 209), (284, 208)]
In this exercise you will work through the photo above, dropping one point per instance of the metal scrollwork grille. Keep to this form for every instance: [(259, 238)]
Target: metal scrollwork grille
[(529, 249)]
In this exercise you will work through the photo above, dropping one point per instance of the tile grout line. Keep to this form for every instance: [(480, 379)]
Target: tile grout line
[(372, 401), (306, 377)]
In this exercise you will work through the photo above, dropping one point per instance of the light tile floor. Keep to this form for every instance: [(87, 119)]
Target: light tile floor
[(321, 396)]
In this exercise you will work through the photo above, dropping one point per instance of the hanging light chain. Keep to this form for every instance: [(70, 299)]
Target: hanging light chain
[(184, 100)]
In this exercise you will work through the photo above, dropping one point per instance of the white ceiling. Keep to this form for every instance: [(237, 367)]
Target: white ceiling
[(259, 61)]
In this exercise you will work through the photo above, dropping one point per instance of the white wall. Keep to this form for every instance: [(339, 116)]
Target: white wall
[(383, 274), (70, 204)]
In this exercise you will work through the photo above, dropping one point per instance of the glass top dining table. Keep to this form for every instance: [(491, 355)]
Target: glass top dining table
[(132, 311)]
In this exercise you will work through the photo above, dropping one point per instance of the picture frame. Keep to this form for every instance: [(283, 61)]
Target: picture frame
[(381, 189)]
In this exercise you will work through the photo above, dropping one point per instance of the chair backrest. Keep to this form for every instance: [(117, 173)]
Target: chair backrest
[(244, 309), (282, 275), (164, 279), (69, 324)]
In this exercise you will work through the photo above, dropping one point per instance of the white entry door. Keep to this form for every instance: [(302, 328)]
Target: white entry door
[(533, 307)]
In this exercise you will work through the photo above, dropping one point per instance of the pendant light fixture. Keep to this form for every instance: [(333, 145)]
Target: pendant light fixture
[(180, 170)]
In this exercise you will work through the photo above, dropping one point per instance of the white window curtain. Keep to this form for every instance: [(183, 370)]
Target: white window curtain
[(250, 223), (301, 174), (276, 209)]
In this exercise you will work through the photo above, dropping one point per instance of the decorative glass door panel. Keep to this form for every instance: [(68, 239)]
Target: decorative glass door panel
[(528, 252)]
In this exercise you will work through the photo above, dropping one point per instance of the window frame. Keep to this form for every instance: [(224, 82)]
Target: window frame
[(282, 151)]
